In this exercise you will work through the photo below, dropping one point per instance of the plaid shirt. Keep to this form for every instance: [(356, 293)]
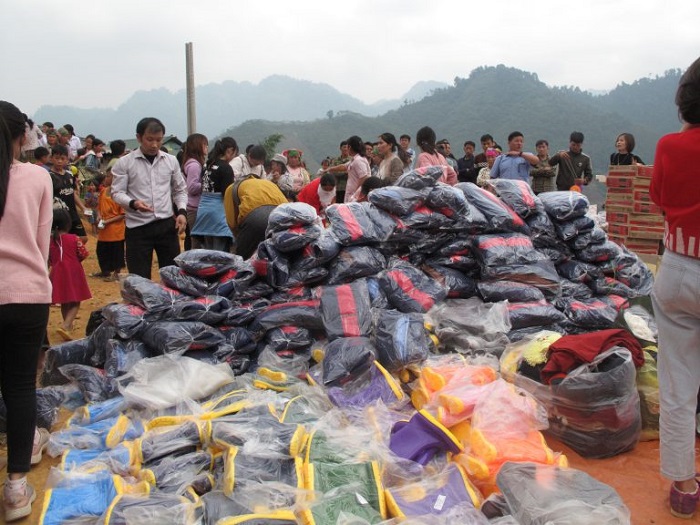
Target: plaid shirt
[(543, 176)]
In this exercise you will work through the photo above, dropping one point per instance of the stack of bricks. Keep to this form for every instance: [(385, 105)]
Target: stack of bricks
[(633, 219)]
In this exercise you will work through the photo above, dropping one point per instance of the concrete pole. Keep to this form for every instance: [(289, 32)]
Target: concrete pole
[(189, 71)]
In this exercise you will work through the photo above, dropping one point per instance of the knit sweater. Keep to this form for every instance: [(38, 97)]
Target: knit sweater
[(25, 229), (675, 189)]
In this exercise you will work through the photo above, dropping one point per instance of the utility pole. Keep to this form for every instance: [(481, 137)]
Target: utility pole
[(189, 72)]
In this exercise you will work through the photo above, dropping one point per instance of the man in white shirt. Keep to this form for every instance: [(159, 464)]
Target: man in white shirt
[(149, 185)]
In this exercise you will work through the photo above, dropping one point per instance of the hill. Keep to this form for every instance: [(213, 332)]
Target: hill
[(220, 106), (498, 100)]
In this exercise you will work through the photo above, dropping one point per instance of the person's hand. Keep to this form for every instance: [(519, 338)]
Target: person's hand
[(142, 206), (564, 154), (181, 224), (513, 153)]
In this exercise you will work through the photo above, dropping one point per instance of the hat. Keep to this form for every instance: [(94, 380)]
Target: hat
[(279, 158), (292, 153)]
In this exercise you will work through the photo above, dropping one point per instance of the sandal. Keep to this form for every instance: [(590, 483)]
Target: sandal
[(65, 334)]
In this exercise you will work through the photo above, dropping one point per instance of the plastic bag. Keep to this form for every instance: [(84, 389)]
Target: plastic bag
[(346, 310), (172, 474), (449, 201), (595, 236), (149, 295), (271, 264), (306, 277), (233, 282), (122, 355), (295, 237), (575, 290), (318, 252), (424, 218), (207, 263), (241, 314), (541, 274), (454, 281), (569, 496), (257, 290), (579, 271), (589, 313), (305, 314), (127, 319), (400, 339), (354, 262), (177, 337), (564, 205), (359, 223), (345, 359), (570, 229), (534, 313), (98, 343), (153, 508), (505, 249), (518, 195), (408, 289), (374, 385), (163, 441), (161, 382), (500, 216), (92, 382), (421, 178), (494, 291), (291, 214), (397, 200), (608, 285), (595, 253), (288, 338), (210, 309), (474, 222), (72, 352), (630, 270), (175, 277)]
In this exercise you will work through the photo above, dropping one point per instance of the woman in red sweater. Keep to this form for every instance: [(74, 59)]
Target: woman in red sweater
[(319, 193), (26, 212), (675, 188)]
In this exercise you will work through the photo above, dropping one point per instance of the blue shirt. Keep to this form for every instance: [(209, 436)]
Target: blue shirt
[(514, 168)]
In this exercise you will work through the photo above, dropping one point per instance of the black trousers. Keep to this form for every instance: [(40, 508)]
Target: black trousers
[(22, 329), (110, 255), (160, 236), (251, 231)]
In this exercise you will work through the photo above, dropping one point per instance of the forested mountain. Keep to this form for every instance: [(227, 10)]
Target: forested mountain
[(498, 100), (220, 106)]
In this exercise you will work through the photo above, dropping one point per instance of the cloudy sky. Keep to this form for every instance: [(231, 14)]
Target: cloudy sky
[(96, 54)]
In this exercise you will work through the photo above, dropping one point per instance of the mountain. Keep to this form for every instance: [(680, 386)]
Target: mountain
[(498, 100), (219, 106)]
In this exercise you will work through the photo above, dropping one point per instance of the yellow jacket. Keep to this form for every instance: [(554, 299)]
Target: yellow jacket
[(252, 193)]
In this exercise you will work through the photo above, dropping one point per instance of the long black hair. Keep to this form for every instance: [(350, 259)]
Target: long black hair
[(426, 139), (219, 149), (13, 124)]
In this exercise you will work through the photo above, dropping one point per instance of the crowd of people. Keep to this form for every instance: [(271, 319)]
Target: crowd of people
[(142, 201)]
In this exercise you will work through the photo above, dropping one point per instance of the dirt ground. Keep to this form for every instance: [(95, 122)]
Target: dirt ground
[(635, 475)]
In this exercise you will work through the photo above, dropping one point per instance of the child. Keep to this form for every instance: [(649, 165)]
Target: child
[(110, 236), (66, 271), (485, 173), (90, 201), (65, 189), (41, 157)]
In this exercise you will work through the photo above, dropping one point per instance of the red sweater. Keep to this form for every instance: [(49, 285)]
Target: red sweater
[(309, 194), (675, 187)]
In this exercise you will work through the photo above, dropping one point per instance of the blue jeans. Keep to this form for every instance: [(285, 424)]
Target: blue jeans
[(22, 329), (676, 300)]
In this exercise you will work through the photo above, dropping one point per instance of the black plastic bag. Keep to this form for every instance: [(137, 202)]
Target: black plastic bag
[(542, 275), (295, 237), (400, 339), (72, 352), (579, 271), (518, 195), (346, 310), (297, 293), (127, 319), (271, 264), (175, 277), (449, 201), (421, 178), (455, 282), (575, 289), (359, 223), (582, 240), (122, 355), (514, 292), (318, 252), (564, 205), (505, 249), (207, 263), (241, 314), (596, 253), (354, 262), (233, 282), (210, 309), (536, 313), (96, 319), (500, 216), (630, 270), (345, 359), (288, 338), (474, 222), (608, 285), (299, 278), (408, 289), (291, 214), (177, 337), (92, 382), (377, 296), (241, 339), (256, 291), (305, 314), (98, 343), (568, 230), (589, 313), (424, 218), (150, 296), (397, 200)]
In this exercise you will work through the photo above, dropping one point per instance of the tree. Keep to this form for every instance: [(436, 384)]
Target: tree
[(329, 114), (270, 143)]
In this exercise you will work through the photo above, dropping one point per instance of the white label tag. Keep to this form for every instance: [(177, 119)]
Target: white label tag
[(440, 502), (360, 499)]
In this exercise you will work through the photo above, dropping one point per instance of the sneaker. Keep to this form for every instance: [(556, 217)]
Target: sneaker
[(683, 504), (41, 439), (18, 504)]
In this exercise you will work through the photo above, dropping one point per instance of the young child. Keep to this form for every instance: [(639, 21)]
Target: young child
[(90, 201), (66, 271), (41, 157), (111, 230), (65, 189)]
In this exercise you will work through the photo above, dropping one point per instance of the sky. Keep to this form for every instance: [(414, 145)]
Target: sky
[(97, 54)]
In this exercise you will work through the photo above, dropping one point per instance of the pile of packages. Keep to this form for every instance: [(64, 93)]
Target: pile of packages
[(352, 373)]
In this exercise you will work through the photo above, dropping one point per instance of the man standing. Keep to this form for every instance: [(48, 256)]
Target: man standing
[(405, 143), (515, 163), (147, 183), (466, 166), (487, 143), (542, 173), (339, 167), (444, 147), (574, 165)]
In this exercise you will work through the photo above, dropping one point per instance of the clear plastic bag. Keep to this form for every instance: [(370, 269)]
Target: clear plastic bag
[(505, 249), (234, 282), (172, 474), (354, 262), (209, 309), (500, 216), (569, 230), (123, 355), (288, 338), (92, 382), (579, 271), (449, 201), (72, 352), (534, 313), (178, 337), (424, 218), (397, 200), (127, 319), (175, 277), (408, 289), (359, 223), (150, 296), (346, 358), (564, 205), (514, 292), (207, 263), (318, 252), (454, 281), (421, 178), (295, 238), (291, 214), (518, 195), (151, 508), (596, 253), (305, 314), (589, 313), (541, 274), (271, 264), (400, 339), (346, 310)]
